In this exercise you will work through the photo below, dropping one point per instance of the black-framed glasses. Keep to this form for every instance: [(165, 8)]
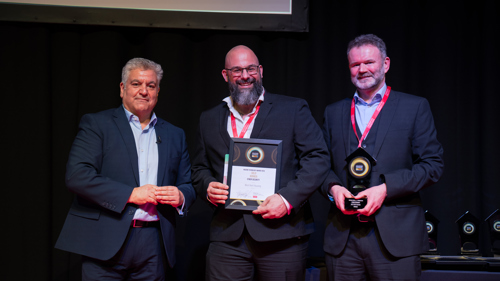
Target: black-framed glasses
[(237, 71)]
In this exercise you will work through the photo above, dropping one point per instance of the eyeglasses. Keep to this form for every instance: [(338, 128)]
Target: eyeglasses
[(237, 71)]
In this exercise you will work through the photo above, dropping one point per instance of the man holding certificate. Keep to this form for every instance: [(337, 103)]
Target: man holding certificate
[(270, 242)]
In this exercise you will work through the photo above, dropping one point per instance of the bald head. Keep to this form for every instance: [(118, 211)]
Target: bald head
[(243, 73), (241, 56)]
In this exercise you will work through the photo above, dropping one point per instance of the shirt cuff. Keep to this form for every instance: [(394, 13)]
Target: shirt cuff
[(180, 209), (288, 206), (330, 196), (208, 198)]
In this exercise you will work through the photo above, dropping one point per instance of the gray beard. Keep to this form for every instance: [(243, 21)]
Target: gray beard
[(245, 96), (377, 78)]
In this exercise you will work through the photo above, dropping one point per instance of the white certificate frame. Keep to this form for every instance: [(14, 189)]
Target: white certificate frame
[(254, 171)]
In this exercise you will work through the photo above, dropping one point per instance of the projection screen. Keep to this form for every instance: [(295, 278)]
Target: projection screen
[(265, 15)]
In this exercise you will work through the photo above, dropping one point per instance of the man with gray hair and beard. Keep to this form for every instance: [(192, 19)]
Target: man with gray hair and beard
[(383, 238), (269, 243)]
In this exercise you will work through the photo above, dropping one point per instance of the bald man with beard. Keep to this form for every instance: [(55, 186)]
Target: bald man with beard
[(269, 243)]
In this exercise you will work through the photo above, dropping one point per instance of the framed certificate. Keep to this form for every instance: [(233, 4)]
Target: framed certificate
[(253, 172)]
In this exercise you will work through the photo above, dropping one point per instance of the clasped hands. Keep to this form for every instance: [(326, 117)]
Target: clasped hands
[(272, 208), (375, 196), (153, 194)]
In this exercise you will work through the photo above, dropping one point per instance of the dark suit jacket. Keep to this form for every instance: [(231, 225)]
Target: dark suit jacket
[(102, 170), (409, 158), (304, 167)]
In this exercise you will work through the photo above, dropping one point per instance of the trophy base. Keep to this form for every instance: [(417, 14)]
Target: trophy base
[(354, 204)]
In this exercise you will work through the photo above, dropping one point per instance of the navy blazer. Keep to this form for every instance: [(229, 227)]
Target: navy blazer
[(102, 171), (304, 166), (409, 158)]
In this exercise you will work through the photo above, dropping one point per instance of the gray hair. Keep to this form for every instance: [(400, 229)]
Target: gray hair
[(368, 39), (143, 64)]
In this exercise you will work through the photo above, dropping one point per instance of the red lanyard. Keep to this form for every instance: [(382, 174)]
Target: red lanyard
[(372, 120), (247, 124)]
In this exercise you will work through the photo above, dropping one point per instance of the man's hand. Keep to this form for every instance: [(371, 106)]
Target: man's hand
[(272, 208), (339, 194), (217, 192), (170, 195), (375, 196), (143, 194)]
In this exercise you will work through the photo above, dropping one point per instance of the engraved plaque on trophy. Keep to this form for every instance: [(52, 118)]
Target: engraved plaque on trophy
[(494, 227), (431, 222), (359, 166), (468, 230)]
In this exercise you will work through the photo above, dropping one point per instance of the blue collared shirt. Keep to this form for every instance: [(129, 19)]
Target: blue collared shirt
[(147, 154), (364, 110)]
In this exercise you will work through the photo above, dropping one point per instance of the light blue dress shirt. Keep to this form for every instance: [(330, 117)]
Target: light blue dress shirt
[(364, 110), (147, 154)]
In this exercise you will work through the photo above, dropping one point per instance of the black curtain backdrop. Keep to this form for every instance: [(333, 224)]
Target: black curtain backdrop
[(53, 74)]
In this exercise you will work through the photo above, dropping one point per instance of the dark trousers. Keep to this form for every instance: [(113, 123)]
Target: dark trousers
[(366, 258), (141, 257), (247, 259)]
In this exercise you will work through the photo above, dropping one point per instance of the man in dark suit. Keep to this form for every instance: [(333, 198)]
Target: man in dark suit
[(130, 171), (270, 242), (383, 240)]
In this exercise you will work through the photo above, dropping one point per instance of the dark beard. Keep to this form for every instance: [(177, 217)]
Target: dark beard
[(246, 96)]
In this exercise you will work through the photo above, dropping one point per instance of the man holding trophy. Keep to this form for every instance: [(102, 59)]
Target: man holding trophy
[(383, 150)]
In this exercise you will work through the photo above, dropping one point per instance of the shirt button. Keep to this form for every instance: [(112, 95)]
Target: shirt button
[(364, 145)]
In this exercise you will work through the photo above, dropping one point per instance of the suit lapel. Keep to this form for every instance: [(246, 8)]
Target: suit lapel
[(128, 138), (223, 116), (386, 116), (346, 126), (161, 131), (264, 110)]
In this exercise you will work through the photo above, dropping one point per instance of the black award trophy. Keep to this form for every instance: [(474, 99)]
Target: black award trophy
[(494, 227), (359, 165), (431, 223), (468, 229)]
